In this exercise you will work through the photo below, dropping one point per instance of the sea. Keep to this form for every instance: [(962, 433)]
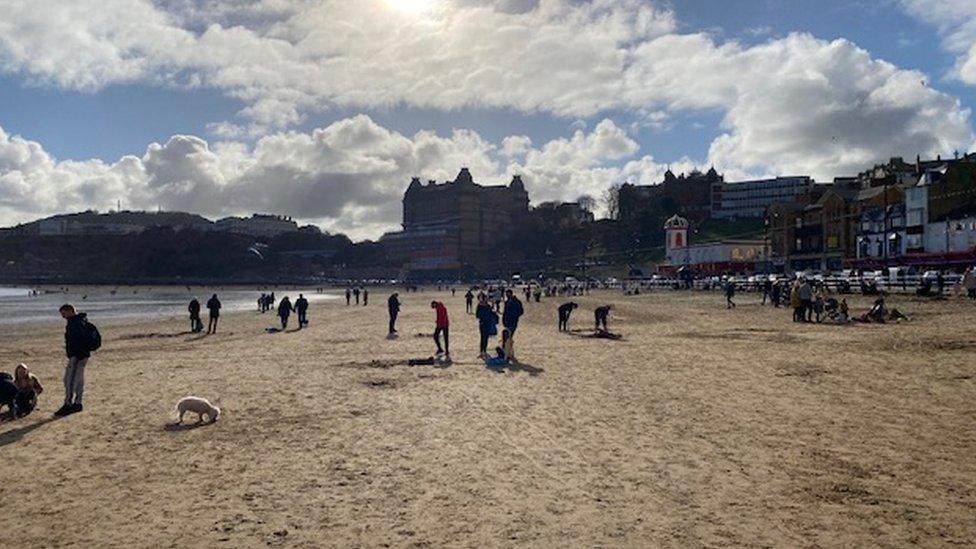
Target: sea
[(40, 306)]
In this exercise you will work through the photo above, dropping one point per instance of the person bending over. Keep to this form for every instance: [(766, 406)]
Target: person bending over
[(600, 317), (565, 310)]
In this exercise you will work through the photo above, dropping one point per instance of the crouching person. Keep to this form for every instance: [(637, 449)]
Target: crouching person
[(28, 389)]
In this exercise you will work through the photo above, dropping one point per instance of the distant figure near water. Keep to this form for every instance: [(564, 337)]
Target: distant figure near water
[(301, 308), (213, 306), (196, 325), (284, 311)]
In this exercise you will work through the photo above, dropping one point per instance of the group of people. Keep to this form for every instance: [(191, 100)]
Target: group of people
[(300, 308), (213, 311), (357, 292), (266, 302)]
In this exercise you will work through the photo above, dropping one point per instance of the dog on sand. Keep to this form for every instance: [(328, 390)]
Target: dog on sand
[(200, 406)]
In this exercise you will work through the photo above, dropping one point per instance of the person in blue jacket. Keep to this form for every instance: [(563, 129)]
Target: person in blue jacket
[(487, 323)]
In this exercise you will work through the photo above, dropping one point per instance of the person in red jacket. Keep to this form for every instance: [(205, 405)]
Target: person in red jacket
[(442, 324)]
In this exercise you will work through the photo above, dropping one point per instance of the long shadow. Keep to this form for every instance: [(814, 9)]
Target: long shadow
[(15, 435), (152, 335), (516, 367), (181, 427)]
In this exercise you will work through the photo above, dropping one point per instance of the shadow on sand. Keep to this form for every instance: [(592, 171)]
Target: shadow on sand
[(15, 435), (181, 427), (516, 367)]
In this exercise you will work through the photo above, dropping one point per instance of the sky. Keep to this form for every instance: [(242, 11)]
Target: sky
[(324, 109)]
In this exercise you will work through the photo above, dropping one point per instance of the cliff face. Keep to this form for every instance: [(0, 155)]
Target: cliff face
[(166, 255)]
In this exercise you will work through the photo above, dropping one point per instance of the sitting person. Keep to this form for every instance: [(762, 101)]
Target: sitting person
[(28, 389), (504, 354), (8, 394), (877, 313)]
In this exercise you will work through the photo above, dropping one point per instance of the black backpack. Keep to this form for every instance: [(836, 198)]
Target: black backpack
[(94, 338)]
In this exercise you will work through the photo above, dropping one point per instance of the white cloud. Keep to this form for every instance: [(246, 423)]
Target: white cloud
[(795, 104), (349, 176), (956, 22)]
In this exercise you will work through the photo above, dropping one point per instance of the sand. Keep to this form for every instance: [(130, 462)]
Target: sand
[(702, 427)]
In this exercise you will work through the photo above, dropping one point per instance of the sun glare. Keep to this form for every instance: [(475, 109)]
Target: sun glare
[(411, 6)]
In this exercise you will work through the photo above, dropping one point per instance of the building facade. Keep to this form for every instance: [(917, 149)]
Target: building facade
[(753, 198), (708, 258), (689, 195), (452, 225), (258, 225)]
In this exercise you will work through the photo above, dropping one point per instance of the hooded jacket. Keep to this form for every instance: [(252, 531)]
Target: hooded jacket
[(76, 343)]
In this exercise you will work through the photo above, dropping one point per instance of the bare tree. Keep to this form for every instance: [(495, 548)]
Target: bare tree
[(611, 199), (586, 203)]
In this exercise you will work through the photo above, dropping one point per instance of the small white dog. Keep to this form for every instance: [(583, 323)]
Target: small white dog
[(199, 405)]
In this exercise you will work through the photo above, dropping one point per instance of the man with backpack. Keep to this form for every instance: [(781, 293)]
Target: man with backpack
[(80, 339)]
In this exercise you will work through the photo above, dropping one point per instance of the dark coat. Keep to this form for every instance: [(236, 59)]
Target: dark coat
[(513, 311), (76, 341)]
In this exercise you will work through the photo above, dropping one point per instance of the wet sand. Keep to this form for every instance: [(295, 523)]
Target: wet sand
[(702, 427)]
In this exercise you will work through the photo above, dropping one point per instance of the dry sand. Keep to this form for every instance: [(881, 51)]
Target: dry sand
[(703, 427)]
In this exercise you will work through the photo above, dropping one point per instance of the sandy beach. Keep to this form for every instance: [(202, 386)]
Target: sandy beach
[(702, 427)]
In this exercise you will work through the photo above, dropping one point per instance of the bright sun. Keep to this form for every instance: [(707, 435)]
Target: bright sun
[(411, 6)]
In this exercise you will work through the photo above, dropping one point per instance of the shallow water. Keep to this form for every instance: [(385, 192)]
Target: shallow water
[(18, 306)]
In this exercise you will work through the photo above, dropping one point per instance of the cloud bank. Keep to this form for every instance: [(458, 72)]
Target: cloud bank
[(347, 177), (796, 104)]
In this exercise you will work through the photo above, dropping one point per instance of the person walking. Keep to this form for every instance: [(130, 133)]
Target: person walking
[(365, 297), (80, 339), (806, 301), (487, 324), (776, 293), (355, 293), (393, 306), (441, 327), (600, 315), (513, 312), (213, 309), (301, 308), (729, 294), (196, 325), (284, 311), (348, 295), (565, 310), (468, 300), (767, 290)]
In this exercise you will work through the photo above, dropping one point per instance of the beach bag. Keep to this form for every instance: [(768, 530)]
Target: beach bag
[(94, 338)]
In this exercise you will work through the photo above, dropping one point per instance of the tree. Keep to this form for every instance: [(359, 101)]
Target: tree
[(611, 199), (586, 203)]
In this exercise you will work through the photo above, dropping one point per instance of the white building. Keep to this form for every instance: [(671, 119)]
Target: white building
[(752, 198), (258, 225), (940, 237), (709, 258)]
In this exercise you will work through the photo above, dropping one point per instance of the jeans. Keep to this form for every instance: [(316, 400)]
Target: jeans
[(74, 380), (437, 339), (483, 344)]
